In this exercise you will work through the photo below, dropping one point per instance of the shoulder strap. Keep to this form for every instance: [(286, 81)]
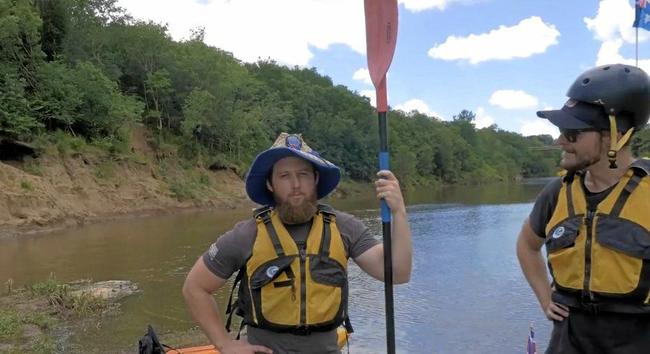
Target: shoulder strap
[(326, 209), (261, 211), (328, 213), (569, 196), (265, 214), (625, 194)]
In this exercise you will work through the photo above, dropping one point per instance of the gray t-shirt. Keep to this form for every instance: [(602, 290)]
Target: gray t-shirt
[(232, 249)]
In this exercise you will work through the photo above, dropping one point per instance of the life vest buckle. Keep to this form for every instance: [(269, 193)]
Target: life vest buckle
[(591, 307), (264, 213)]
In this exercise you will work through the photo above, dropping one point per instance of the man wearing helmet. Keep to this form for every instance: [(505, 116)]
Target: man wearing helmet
[(292, 256), (595, 220)]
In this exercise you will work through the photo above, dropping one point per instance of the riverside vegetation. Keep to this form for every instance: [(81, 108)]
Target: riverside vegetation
[(128, 120), (38, 317)]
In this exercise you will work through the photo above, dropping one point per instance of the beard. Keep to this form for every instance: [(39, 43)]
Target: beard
[(573, 160), (298, 213), (577, 163)]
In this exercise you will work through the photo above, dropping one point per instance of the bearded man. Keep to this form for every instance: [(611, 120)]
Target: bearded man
[(595, 220), (291, 258)]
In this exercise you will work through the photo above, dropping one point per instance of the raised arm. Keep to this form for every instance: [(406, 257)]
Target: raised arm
[(372, 261)]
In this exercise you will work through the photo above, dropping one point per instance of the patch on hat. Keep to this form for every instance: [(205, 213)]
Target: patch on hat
[(571, 103), (293, 141)]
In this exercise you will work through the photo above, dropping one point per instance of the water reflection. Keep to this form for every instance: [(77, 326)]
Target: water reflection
[(466, 293)]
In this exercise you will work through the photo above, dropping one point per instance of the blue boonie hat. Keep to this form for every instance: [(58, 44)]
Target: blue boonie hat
[(288, 145)]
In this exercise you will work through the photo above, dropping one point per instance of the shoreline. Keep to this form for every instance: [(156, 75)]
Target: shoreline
[(8, 231)]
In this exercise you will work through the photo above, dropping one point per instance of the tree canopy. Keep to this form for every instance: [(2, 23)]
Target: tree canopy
[(89, 69)]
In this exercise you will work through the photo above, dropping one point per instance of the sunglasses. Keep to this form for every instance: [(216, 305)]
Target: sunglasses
[(571, 135)]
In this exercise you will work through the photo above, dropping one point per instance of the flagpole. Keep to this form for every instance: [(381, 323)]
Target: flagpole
[(637, 46)]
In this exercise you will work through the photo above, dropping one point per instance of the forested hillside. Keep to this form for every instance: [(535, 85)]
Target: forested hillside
[(85, 69)]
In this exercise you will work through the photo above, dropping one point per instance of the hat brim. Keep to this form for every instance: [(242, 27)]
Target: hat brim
[(563, 120), (329, 174)]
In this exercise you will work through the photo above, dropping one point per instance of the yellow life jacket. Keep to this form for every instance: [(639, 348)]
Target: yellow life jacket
[(296, 288), (601, 258)]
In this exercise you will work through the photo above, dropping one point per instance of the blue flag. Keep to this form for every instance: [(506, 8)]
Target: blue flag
[(642, 18)]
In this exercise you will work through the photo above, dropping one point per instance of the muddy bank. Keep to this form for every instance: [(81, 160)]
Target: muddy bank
[(74, 184), (70, 183), (69, 193)]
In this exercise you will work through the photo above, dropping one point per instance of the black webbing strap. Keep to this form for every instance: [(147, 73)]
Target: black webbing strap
[(241, 325), (569, 199), (230, 309), (625, 194), (327, 235)]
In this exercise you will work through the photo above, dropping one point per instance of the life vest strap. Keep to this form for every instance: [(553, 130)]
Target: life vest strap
[(625, 194), (230, 309), (327, 237), (569, 199), (264, 213), (328, 214), (596, 307), (347, 324)]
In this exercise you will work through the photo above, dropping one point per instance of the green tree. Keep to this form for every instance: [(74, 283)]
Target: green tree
[(159, 89), (56, 21), (16, 121), (641, 143), (20, 56), (57, 99), (103, 110)]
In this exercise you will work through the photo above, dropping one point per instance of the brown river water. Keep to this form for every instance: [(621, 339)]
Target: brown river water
[(466, 294)]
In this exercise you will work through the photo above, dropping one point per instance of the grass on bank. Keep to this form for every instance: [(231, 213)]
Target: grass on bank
[(29, 315)]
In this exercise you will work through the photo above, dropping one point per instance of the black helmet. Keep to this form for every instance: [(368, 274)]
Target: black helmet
[(622, 90)]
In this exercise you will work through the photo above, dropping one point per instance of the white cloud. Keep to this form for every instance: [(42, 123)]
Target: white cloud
[(371, 95), (612, 25), (416, 104), (530, 36), (609, 53), (538, 127), (513, 99), (282, 30), (362, 75), (421, 5), (482, 120), (614, 21)]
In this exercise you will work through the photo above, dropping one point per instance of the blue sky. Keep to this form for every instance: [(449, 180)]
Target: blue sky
[(502, 59)]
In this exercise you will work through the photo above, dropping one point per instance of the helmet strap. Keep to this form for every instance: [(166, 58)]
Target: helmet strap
[(615, 144)]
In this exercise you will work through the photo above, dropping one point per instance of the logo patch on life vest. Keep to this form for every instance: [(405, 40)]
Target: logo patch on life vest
[(270, 271), (559, 232), (212, 252)]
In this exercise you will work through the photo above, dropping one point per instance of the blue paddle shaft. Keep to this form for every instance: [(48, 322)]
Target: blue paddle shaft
[(383, 159)]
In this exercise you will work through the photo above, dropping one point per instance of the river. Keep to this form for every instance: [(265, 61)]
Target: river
[(466, 294)]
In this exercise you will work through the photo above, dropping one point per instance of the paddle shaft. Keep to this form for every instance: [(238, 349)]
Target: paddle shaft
[(388, 248), (381, 35)]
